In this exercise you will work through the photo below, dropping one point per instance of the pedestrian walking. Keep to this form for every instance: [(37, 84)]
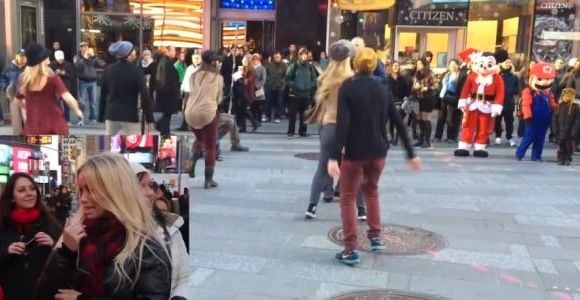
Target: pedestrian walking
[(40, 92), (123, 83), (364, 107), (165, 84), (324, 114), (119, 257), (27, 234), (201, 109), (168, 230)]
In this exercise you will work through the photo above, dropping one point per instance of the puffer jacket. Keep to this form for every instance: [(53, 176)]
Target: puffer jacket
[(179, 257), (275, 76), (153, 283), (301, 78)]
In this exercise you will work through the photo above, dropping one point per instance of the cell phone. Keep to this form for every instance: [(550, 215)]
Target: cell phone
[(32, 240)]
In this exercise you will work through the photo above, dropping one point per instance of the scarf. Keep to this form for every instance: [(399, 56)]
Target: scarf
[(105, 239), (25, 217)]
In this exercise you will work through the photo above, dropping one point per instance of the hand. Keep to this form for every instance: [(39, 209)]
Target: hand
[(415, 164), (91, 52), (424, 89), (73, 233), (67, 295), (333, 169), (44, 239), (79, 113), (17, 248)]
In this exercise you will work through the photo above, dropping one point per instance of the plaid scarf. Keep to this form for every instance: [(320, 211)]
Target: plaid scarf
[(105, 239)]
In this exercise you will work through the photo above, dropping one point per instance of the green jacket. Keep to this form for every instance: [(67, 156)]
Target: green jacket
[(180, 67), (275, 79), (301, 78)]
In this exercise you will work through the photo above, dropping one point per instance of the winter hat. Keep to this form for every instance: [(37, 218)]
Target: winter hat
[(59, 55), (500, 55), (341, 50), (568, 95), (35, 54), (543, 70), (256, 57), (209, 56), (121, 49), (302, 50), (467, 54), (365, 60), (138, 168)]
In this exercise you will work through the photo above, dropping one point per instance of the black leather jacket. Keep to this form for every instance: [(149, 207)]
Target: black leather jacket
[(153, 283)]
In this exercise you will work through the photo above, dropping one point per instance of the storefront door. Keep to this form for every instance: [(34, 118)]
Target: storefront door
[(30, 23), (445, 43)]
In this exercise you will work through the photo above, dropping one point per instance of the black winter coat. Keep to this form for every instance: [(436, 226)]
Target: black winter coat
[(166, 87), (566, 121), (18, 274), (154, 282), (511, 90)]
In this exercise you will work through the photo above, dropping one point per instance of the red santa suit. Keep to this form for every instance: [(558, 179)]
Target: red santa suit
[(481, 99)]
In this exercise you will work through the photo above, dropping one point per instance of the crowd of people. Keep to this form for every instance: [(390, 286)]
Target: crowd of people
[(121, 243)]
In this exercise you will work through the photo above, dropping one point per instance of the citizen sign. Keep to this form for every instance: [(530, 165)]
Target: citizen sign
[(426, 15), (555, 5)]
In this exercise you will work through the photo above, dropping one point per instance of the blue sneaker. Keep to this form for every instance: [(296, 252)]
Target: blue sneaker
[(347, 257), (377, 244)]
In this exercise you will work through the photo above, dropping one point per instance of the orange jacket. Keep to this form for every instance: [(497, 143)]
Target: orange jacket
[(527, 101)]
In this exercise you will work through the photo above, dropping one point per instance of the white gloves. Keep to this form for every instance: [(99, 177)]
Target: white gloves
[(496, 110)]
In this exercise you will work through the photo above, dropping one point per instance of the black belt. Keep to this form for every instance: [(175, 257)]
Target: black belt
[(482, 97)]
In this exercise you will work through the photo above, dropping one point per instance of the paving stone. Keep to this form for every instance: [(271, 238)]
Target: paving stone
[(545, 266), (566, 267), (198, 275), (548, 221), (551, 241), (327, 290)]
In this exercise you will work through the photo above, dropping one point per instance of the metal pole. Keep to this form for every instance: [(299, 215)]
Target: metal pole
[(179, 162)]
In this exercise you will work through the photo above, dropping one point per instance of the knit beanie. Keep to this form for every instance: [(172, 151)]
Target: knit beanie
[(341, 50), (121, 49), (365, 60)]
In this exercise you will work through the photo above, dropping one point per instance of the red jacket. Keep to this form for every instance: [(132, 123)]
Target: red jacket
[(493, 92), (528, 99)]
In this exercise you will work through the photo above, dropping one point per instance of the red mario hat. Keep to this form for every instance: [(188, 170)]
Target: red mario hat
[(466, 54), (543, 70)]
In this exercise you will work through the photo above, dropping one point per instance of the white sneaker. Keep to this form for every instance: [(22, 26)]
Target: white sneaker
[(81, 123), (264, 119), (498, 141), (277, 121), (512, 143)]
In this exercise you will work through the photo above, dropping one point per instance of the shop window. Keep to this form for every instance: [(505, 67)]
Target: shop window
[(438, 44)]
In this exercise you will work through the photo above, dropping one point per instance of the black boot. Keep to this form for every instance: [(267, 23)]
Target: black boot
[(414, 124), (196, 156), (420, 135), (426, 134), (209, 182)]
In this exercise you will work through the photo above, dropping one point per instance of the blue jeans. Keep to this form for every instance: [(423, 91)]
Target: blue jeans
[(88, 98)]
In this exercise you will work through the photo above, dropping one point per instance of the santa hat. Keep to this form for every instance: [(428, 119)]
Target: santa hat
[(466, 55), (543, 70)]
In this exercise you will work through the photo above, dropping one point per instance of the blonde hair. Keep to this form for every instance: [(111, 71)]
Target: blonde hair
[(365, 60), (114, 188), (333, 77), (32, 76)]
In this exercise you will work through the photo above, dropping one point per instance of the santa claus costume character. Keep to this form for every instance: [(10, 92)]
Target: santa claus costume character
[(537, 104), (481, 100), (566, 125)]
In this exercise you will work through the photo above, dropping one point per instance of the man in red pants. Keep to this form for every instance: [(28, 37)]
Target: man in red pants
[(482, 99)]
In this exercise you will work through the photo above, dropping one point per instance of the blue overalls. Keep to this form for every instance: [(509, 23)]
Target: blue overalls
[(536, 130)]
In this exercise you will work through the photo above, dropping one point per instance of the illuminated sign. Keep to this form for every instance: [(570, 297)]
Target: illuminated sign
[(365, 4), (39, 139), (20, 158), (248, 4)]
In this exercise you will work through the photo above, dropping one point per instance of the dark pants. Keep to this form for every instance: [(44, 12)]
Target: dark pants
[(242, 114), (521, 128), (275, 104), (392, 132), (257, 108), (205, 141), (449, 116), (164, 123), (297, 105), (352, 174), (508, 118), (565, 150)]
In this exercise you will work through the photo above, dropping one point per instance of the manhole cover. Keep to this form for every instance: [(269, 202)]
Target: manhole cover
[(308, 155), (385, 295), (401, 240)]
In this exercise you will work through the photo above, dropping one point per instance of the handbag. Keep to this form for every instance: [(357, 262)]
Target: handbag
[(410, 105), (260, 93)]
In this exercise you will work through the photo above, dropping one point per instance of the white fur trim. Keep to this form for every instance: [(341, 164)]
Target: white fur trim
[(496, 110), (482, 106), (464, 146), (480, 147), (482, 82), (462, 104)]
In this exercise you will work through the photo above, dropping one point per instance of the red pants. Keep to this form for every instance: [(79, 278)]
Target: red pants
[(352, 173), (205, 140), (476, 126)]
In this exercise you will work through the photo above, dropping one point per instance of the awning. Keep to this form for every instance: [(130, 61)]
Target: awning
[(365, 4)]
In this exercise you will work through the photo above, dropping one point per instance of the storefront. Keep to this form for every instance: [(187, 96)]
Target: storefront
[(406, 29), (21, 23)]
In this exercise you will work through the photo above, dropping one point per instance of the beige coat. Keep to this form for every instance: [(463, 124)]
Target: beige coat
[(206, 94)]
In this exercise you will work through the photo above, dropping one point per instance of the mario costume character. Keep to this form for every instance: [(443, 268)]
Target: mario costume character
[(537, 105), (481, 100), (566, 125)]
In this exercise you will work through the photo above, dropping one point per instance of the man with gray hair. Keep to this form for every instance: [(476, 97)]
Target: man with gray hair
[(380, 73)]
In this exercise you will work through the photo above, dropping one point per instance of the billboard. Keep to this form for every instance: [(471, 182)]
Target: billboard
[(555, 30)]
